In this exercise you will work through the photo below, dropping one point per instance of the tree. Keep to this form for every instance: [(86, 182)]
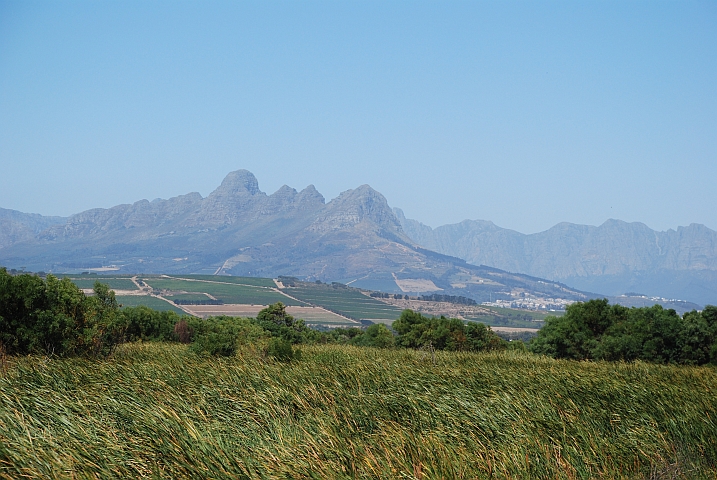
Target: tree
[(575, 334), (281, 324), (415, 331), (596, 330), (144, 323), (52, 316), (377, 335)]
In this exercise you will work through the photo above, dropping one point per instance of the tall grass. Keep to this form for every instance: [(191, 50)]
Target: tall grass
[(156, 410)]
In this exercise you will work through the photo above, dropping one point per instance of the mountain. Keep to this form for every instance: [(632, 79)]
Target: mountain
[(614, 258), (355, 238), (17, 227)]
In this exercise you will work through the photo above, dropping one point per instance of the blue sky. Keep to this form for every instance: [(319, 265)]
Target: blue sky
[(523, 113)]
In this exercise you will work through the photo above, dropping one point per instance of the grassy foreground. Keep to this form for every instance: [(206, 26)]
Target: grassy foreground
[(156, 410)]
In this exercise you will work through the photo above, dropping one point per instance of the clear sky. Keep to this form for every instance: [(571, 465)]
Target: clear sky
[(526, 113)]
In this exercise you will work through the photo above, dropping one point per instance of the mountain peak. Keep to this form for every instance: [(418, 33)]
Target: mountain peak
[(311, 195), (239, 182), (356, 206)]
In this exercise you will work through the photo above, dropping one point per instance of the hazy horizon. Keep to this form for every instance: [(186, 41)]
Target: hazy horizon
[(298, 189), (526, 115)]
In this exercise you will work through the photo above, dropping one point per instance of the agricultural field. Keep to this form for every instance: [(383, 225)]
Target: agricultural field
[(253, 281), (228, 293), (261, 291), (319, 316), (158, 411), (346, 301), (147, 301), (114, 283), (187, 297), (311, 315)]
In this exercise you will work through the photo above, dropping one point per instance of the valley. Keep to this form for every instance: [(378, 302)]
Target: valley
[(318, 304)]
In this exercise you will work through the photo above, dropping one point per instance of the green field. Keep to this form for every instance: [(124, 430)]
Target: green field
[(97, 276), (254, 281), (189, 297), (114, 283), (346, 301), (158, 411), (147, 301), (326, 319), (228, 293)]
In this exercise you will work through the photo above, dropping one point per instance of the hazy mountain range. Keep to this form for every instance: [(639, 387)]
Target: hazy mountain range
[(17, 227), (357, 238), (614, 258)]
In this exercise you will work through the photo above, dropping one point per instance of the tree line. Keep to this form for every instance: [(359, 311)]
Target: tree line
[(596, 330), (50, 316), (459, 299), (207, 301)]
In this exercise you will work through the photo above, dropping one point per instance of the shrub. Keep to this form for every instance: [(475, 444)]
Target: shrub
[(274, 319), (215, 336), (596, 330), (220, 344), (282, 350), (144, 323), (377, 335), (415, 331), (52, 316)]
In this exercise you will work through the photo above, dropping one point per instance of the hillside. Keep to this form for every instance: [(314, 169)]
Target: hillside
[(156, 410), (614, 258), (239, 230), (18, 227)]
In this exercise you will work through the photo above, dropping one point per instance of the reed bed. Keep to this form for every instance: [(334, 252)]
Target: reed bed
[(159, 411)]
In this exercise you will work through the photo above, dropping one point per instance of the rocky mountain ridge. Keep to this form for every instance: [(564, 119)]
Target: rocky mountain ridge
[(237, 229), (613, 258), (17, 227), (357, 238)]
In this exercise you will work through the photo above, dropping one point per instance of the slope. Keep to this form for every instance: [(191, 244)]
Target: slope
[(614, 258)]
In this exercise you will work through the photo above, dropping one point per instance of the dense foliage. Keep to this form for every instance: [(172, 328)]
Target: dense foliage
[(416, 330), (146, 324), (599, 331), (53, 316)]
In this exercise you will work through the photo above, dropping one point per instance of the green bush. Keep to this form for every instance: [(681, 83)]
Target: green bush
[(54, 317), (415, 331), (216, 336), (282, 350), (377, 335), (144, 323), (275, 320), (595, 330), (219, 344)]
